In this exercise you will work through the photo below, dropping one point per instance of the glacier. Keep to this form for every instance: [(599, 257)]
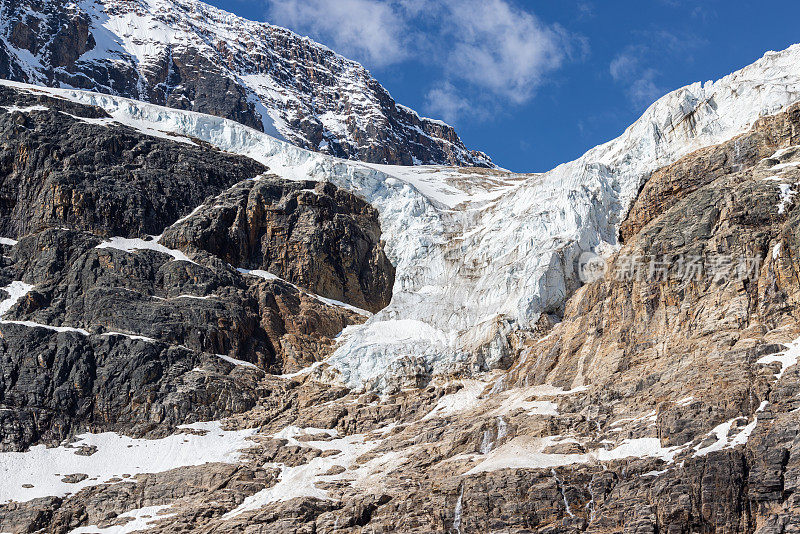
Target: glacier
[(480, 253)]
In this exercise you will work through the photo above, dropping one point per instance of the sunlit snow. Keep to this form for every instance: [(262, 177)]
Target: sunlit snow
[(475, 261), (116, 456)]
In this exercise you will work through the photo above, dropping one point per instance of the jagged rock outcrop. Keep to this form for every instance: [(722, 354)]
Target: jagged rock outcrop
[(58, 168), (309, 233), (181, 54), (106, 328)]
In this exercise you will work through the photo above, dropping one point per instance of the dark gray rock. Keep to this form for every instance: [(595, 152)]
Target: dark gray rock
[(110, 339), (311, 234), (112, 180)]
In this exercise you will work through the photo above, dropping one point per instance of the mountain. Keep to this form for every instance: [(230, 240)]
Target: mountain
[(188, 55), (205, 328)]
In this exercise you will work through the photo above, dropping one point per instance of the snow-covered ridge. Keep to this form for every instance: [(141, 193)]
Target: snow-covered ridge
[(189, 55), (479, 254)]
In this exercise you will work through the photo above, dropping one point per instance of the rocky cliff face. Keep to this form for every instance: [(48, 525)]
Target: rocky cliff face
[(188, 55), (309, 233), (193, 377), (106, 326), (698, 362), (60, 165)]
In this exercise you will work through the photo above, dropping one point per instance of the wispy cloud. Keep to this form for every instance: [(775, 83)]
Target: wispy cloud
[(586, 10), (364, 29), (444, 101), (480, 46), (704, 11), (627, 68), (634, 67), (502, 48)]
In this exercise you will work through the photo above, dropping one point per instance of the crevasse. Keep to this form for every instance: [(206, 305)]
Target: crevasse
[(476, 260)]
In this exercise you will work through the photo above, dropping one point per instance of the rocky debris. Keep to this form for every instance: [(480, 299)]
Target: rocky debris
[(218, 485), (74, 478), (265, 77)]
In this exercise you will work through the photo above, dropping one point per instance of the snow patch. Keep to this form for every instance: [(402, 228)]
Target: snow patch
[(32, 324), (525, 452), (266, 275), (234, 361), (301, 372), (518, 399), (340, 304), (26, 109), (135, 337), (787, 358), (16, 290), (462, 400), (116, 455), (787, 195), (142, 518), (546, 390), (785, 166), (133, 244), (300, 481), (723, 439)]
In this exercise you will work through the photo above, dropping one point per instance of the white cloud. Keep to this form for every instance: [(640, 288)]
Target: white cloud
[(633, 66), (643, 91), (445, 102), (502, 48), (623, 66), (491, 45), (367, 30), (586, 10), (639, 81)]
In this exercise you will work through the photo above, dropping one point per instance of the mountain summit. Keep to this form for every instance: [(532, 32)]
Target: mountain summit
[(188, 55)]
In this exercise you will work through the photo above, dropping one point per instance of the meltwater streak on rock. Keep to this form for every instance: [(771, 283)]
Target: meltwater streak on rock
[(468, 275)]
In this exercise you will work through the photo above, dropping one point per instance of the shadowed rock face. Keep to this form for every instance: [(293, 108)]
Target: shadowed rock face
[(309, 233), (321, 100), (58, 169), (129, 340)]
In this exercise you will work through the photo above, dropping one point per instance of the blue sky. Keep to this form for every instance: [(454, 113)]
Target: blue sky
[(536, 83)]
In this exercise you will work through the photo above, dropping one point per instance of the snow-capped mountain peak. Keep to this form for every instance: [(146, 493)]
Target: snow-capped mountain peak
[(188, 55)]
